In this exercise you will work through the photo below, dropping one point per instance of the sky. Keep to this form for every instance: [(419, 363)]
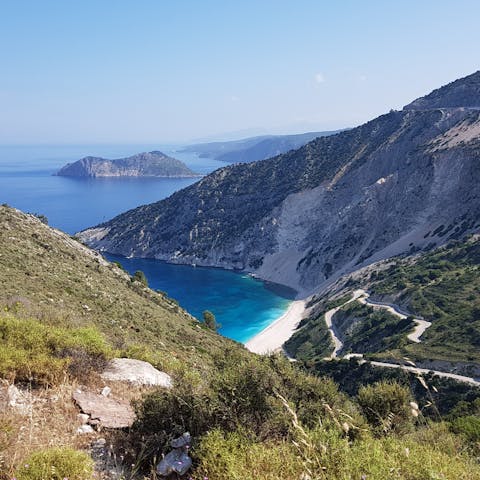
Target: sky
[(118, 71)]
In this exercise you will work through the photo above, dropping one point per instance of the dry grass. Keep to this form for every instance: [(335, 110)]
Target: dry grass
[(51, 420)]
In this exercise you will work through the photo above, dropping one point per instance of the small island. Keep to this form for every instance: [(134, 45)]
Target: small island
[(147, 164)]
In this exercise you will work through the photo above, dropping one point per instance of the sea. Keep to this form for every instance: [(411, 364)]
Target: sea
[(241, 304)]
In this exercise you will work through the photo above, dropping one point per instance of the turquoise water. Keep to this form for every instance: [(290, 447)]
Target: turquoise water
[(242, 305)]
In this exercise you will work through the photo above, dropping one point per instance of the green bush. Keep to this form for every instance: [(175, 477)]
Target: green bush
[(41, 217), (43, 354), (209, 320), (326, 454), (241, 392), (119, 265), (139, 276), (386, 406), (56, 464), (234, 455), (468, 426)]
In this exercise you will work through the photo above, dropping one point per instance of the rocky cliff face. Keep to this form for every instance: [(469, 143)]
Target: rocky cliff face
[(151, 164), (405, 181)]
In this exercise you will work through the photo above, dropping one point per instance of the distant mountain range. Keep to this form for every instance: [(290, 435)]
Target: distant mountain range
[(151, 164), (405, 181), (254, 148)]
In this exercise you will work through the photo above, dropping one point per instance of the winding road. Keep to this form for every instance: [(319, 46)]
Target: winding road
[(421, 326)]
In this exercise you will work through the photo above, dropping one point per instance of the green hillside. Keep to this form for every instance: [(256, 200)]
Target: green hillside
[(65, 312), (442, 286), (47, 274)]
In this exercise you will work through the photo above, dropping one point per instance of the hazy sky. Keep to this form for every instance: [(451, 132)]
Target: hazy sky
[(118, 71)]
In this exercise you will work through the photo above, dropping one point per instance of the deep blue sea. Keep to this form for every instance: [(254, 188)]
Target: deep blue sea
[(243, 305)]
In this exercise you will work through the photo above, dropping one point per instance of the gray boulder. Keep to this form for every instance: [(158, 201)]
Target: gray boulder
[(105, 411)]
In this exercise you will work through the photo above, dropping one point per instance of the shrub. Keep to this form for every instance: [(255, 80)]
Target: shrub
[(241, 393), (386, 406), (56, 464), (234, 455), (468, 426), (119, 265), (42, 218), (328, 456), (209, 320), (139, 276), (43, 354)]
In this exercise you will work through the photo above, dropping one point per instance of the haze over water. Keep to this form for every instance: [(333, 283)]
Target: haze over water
[(242, 305)]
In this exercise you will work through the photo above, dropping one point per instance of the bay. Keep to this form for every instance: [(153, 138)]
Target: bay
[(244, 306)]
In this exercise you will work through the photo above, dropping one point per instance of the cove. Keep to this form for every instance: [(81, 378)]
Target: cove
[(242, 305)]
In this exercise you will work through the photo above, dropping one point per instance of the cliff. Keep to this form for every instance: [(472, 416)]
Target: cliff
[(405, 181)]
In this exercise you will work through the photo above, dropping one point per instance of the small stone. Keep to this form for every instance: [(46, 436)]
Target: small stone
[(176, 461), (183, 441), (19, 400), (83, 417), (106, 391), (85, 429), (414, 405)]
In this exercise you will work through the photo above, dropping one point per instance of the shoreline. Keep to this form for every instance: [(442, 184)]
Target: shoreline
[(271, 338)]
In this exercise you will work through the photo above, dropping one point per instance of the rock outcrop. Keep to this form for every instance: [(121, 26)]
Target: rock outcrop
[(151, 164), (19, 400), (136, 372), (405, 181)]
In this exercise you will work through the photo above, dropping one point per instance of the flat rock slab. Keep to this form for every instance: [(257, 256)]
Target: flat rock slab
[(110, 413), (136, 372)]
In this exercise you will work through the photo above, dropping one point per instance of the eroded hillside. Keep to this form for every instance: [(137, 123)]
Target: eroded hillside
[(405, 181)]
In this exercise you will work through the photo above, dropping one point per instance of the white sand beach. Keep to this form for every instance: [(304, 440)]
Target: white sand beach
[(272, 338)]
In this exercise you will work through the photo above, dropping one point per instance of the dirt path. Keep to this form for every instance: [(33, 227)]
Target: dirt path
[(454, 376), (422, 325), (328, 320)]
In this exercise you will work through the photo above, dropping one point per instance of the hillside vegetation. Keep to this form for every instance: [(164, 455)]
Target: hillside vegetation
[(47, 274), (442, 286), (66, 311)]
